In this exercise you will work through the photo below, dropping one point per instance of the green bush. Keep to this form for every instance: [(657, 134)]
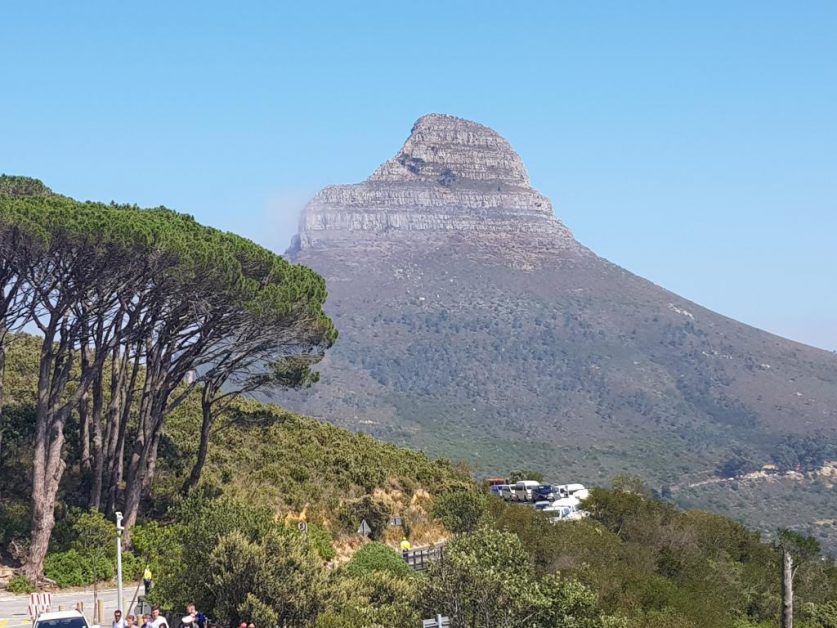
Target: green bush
[(377, 557), (321, 539), (20, 584), (132, 566), (74, 569), (460, 511), (377, 598), (14, 521)]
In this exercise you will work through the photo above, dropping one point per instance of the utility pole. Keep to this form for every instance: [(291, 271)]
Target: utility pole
[(119, 530), (787, 588)]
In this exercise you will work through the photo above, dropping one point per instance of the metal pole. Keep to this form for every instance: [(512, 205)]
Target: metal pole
[(439, 620), (119, 530)]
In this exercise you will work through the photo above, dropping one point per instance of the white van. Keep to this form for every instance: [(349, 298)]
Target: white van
[(506, 492), (522, 490)]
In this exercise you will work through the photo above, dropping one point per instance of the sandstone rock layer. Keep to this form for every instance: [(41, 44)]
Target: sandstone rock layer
[(452, 176)]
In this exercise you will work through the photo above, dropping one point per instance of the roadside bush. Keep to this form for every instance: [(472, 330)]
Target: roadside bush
[(74, 569), (460, 511), (377, 557), (375, 599), (275, 580), (132, 566), (486, 580), (20, 584)]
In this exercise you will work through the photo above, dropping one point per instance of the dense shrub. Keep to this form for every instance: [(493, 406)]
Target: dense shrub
[(14, 521), (75, 569), (460, 511), (20, 584), (487, 580), (374, 599), (377, 557), (274, 581), (322, 541)]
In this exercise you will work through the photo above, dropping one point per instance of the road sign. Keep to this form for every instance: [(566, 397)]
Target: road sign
[(303, 527), (364, 528), (395, 522), (436, 622)]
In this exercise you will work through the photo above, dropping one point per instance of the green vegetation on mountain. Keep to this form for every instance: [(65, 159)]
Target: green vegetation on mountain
[(575, 368), (801, 502)]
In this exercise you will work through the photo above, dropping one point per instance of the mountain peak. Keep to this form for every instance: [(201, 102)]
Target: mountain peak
[(445, 149), (451, 176)]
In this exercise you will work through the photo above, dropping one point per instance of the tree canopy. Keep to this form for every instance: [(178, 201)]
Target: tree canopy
[(113, 288)]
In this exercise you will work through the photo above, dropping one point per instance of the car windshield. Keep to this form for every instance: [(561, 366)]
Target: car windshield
[(64, 622)]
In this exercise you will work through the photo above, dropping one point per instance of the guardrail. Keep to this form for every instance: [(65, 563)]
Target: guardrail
[(421, 557)]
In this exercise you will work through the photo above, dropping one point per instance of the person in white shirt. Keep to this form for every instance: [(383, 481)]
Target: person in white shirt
[(157, 620), (118, 622)]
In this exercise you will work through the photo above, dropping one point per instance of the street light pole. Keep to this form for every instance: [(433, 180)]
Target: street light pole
[(119, 530)]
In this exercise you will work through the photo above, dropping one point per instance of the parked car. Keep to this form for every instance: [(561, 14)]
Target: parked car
[(567, 502), (523, 490), (559, 513), (543, 504), (546, 492), (574, 490), (61, 619), (506, 492)]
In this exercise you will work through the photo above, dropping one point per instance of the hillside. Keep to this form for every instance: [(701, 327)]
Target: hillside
[(269, 533), (474, 326), (801, 502), (261, 454)]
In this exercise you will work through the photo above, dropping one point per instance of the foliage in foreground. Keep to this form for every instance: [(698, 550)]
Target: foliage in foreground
[(662, 567), (487, 580)]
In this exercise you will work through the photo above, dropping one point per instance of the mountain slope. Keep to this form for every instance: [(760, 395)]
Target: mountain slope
[(473, 325)]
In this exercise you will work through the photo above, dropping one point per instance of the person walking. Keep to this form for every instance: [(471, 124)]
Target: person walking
[(146, 579)]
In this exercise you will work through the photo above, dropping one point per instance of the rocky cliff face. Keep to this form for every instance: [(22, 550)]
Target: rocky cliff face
[(452, 176)]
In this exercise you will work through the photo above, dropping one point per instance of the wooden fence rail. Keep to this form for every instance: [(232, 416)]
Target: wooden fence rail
[(421, 557)]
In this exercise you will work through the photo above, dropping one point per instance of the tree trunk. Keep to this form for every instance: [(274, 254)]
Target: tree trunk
[(43, 515), (206, 428), (787, 589), (151, 465), (84, 437), (95, 500), (151, 419), (118, 413), (2, 383)]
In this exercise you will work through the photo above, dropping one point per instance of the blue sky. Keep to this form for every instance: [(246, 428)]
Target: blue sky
[(692, 143)]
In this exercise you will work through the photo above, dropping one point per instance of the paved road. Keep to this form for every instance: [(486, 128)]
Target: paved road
[(14, 609)]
